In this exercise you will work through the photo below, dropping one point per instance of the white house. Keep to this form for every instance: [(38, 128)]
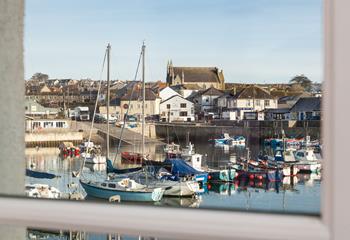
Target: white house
[(205, 100), (167, 92), (176, 108), (251, 101)]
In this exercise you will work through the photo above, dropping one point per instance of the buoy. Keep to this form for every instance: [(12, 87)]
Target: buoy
[(251, 176), (260, 177), (209, 177), (115, 198)]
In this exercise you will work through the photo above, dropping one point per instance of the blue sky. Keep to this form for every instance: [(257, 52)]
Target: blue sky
[(261, 41)]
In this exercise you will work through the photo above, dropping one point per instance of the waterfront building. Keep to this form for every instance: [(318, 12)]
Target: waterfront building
[(205, 77), (176, 108), (290, 100), (204, 101), (306, 109), (222, 102), (250, 102), (36, 110), (167, 92), (33, 125), (277, 114), (152, 102), (186, 90)]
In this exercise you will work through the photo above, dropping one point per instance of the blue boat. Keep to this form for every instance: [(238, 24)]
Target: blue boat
[(126, 189), (36, 174), (111, 169), (181, 168), (227, 140)]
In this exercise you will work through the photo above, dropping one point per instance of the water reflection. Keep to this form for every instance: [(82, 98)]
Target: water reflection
[(299, 194)]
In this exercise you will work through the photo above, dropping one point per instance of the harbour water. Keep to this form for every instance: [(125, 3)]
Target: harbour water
[(299, 194)]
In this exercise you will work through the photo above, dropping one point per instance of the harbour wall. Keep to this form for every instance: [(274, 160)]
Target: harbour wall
[(254, 131), (52, 139)]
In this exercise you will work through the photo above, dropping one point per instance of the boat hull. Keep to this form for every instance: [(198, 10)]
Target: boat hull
[(226, 175), (151, 196), (182, 189)]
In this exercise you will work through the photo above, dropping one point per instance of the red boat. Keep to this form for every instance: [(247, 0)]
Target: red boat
[(132, 157)]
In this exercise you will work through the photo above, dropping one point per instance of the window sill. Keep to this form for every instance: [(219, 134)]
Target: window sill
[(153, 221)]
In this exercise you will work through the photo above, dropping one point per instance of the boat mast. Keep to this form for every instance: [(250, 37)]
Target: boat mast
[(143, 100), (108, 97)]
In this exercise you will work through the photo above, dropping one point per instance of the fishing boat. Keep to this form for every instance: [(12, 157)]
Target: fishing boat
[(94, 155), (133, 158), (308, 161), (227, 140), (227, 174), (223, 139), (282, 159), (67, 149), (172, 150), (85, 145)]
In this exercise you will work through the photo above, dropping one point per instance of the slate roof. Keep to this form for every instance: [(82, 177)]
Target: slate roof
[(276, 110), (308, 104), (137, 95), (197, 74), (212, 92), (253, 92)]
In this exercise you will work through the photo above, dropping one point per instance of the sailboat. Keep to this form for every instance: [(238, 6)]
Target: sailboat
[(127, 189)]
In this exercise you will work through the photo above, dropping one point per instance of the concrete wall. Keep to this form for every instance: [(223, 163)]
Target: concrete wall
[(255, 131)]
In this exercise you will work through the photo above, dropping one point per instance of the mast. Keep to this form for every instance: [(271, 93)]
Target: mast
[(108, 96), (143, 100)]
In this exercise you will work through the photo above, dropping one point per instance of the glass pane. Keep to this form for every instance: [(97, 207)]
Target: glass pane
[(231, 93)]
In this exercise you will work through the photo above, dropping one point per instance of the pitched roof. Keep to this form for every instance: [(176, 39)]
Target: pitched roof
[(137, 95), (187, 86), (175, 96), (253, 92), (212, 92), (308, 104), (197, 74)]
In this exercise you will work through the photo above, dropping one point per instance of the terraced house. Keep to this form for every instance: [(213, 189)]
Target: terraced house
[(250, 102)]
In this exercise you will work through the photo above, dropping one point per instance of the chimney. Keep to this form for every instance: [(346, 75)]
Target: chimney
[(183, 77)]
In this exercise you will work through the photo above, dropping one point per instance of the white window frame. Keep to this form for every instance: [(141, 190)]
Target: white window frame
[(178, 223)]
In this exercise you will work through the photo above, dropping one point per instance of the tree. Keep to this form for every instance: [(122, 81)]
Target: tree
[(41, 77), (303, 81)]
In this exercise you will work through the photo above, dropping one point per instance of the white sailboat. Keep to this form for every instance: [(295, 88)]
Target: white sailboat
[(126, 189)]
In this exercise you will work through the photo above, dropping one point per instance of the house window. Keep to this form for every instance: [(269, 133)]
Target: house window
[(59, 124), (258, 102), (183, 114), (183, 105), (267, 103), (168, 106), (248, 103)]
